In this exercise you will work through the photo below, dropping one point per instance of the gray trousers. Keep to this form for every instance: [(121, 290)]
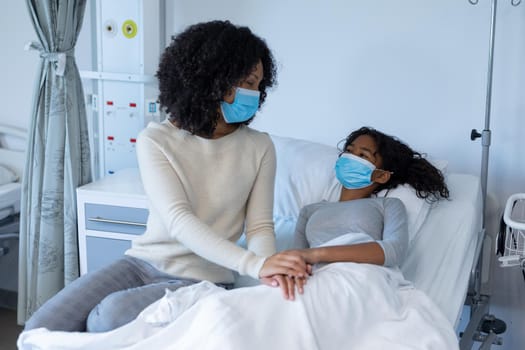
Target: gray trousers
[(105, 299)]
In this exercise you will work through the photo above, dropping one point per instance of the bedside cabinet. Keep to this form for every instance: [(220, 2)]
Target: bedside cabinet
[(111, 212)]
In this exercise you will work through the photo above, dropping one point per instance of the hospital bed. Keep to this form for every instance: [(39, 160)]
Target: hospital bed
[(442, 237), (12, 141), (442, 252), (11, 168)]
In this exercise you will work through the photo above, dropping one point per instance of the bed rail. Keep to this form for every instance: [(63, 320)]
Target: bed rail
[(13, 131), (13, 157)]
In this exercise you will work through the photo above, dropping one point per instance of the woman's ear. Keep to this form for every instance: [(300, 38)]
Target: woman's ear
[(230, 96), (381, 176)]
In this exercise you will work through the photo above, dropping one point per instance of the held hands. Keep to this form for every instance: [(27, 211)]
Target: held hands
[(287, 284), (290, 263), (288, 270)]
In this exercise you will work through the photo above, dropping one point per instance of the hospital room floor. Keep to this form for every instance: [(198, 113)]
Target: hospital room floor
[(9, 329)]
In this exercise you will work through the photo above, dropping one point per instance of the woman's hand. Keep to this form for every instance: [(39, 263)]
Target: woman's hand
[(289, 263), (287, 270), (287, 284)]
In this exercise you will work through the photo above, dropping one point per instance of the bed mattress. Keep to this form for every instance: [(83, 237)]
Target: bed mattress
[(10, 199), (440, 258)]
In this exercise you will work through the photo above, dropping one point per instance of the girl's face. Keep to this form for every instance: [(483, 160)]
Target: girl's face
[(365, 147), (251, 82)]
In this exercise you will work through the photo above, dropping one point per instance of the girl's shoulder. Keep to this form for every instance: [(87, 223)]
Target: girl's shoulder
[(389, 201), (362, 202)]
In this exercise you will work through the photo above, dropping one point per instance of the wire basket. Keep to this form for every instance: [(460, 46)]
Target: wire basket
[(514, 236)]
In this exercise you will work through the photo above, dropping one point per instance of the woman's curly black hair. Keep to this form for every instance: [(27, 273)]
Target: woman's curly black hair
[(407, 165), (202, 64)]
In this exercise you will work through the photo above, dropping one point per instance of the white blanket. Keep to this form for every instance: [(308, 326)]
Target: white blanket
[(345, 306)]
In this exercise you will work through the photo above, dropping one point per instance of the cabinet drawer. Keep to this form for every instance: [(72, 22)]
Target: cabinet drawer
[(103, 251), (110, 218)]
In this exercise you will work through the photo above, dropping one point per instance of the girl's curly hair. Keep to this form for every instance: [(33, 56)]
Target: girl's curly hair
[(202, 64), (407, 165)]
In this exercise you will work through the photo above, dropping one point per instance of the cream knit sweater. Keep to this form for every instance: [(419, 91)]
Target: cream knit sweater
[(203, 194)]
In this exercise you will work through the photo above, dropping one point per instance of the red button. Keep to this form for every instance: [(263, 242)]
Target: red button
[(132, 140), (132, 104), (111, 138), (109, 103)]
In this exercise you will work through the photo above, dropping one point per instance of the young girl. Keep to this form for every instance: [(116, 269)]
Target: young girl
[(362, 227)]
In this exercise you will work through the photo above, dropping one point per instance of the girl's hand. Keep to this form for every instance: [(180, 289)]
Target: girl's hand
[(309, 255)]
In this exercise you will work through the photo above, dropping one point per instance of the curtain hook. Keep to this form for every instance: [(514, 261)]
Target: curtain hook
[(475, 2), (515, 2)]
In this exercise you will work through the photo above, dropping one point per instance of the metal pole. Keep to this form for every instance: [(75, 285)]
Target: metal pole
[(485, 144), (485, 135)]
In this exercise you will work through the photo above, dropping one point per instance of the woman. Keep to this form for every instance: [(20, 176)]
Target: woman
[(208, 178), (374, 228)]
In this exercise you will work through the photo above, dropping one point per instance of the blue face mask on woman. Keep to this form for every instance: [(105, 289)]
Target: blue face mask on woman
[(354, 172), (244, 106)]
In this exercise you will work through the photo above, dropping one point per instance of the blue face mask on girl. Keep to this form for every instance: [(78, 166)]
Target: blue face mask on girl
[(354, 172), (244, 106)]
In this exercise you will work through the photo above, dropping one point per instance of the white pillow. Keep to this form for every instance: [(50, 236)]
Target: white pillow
[(417, 208), (441, 164), (7, 176), (305, 174)]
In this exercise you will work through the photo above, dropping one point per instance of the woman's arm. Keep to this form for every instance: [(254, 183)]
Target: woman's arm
[(259, 229), (166, 194)]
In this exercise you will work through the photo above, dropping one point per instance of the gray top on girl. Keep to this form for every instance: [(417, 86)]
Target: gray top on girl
[(384, 220)]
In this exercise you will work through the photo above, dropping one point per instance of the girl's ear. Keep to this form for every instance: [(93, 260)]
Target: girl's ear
[(381, 176)]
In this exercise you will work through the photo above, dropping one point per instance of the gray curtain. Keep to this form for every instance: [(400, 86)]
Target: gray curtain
[(57, 158)]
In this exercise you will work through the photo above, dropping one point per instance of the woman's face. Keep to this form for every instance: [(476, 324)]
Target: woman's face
[(365, 147), (251, 82)]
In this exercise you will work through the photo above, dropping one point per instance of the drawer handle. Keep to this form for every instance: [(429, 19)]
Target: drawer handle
[(118, 222)]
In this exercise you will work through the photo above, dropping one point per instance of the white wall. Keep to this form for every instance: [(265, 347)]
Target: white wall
[(17, 67), (415, 69), (412, 68)]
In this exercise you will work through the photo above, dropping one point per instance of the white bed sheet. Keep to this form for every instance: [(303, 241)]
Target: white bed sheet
[(348, 305), (10, 199)]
